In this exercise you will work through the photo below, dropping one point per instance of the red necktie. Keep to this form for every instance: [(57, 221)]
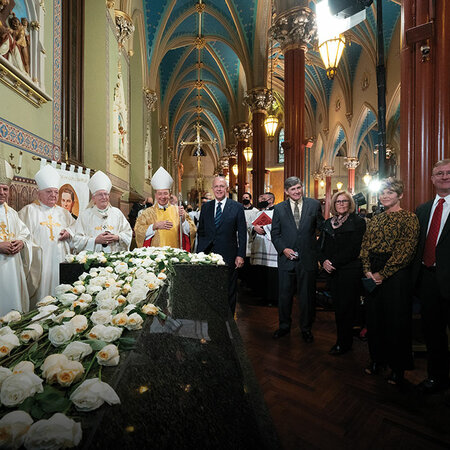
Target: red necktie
[(429, 253)]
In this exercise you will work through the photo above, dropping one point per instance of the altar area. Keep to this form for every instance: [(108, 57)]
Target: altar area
[(183, 379)]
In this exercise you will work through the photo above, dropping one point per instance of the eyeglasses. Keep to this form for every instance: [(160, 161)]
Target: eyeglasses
[(341, 202), (441, 173)]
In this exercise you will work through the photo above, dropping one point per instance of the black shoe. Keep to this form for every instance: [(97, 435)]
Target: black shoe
[(432, 385), (281, 332), (374, 368), (396, 378), (337, 350), (307, 336)]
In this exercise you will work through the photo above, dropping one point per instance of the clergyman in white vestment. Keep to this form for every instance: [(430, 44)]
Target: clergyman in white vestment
[(49, 225), (13, 241), (102, 227)]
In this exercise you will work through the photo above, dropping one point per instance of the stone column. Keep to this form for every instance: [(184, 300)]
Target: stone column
[(425, 94), (328, 172), (351, 163), (259, 100), (242, 132), (162, 138), (294, 29), (317, 177)]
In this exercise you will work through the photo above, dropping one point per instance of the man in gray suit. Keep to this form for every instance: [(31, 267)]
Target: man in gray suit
[(294, 226)]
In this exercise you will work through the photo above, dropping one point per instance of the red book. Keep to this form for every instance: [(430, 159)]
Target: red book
[(262, 219)]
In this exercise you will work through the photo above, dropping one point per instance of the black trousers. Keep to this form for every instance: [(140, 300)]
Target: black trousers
[(389, 322), (303, 283), (435, 311), (345, 285)]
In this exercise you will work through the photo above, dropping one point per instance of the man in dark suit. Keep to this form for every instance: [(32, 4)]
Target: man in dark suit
[(294, 226), (432, 272), (222, 229)]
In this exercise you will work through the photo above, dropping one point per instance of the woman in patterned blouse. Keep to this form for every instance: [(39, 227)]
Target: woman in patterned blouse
[(387, 250)]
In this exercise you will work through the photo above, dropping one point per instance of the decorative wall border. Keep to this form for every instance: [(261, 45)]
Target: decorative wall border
[(57, 75), (24, 140)]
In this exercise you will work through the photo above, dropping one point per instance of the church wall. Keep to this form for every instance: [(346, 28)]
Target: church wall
[(25, 127), (138, 117), (96, 71)]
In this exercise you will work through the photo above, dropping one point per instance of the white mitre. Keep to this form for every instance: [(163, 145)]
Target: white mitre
[(47, 177), (162, 179), (6, 172), (99, 182)]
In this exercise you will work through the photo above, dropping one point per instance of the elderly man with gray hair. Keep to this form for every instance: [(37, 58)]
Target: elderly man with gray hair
[(294, 226)]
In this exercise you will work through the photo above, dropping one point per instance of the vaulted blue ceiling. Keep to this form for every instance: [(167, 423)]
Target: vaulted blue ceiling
[(228, 29)]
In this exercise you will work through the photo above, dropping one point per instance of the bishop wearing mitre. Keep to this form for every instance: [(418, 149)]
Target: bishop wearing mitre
[(50, 228), (101, 227), (159, 225), (14, 242)]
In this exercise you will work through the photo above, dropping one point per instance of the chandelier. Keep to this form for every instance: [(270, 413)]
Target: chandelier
[(331, 52)]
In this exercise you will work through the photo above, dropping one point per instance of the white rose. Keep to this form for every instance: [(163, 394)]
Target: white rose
[(23, 366), (78, 323), (70, 258), (67, 299), (13, 427), (121, 267), (47, 300), (4, 374), (32, 332), (66, 314), (110, 282), (16, 388), (52, 365), (107, 334), (12, 316), (107, 304), (45, 312), (108, 356), (57, 432), (70, 373), (79, 289), (93, 289), (134, 322), (62, 289), (92, 393), (7, 343), (129, 308), (60, 334), (150, 309), (85, 298), (120, 320), (80, 304), (83, 276), (121, 300), (137, 295), (101, 317), (6, 330), (77, 350)]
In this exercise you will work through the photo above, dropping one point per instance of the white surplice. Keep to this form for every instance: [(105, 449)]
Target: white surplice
[(45, 225), (93, 222), (13, 290)]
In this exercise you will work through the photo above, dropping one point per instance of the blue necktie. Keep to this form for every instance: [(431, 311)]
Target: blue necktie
[(218, 217)]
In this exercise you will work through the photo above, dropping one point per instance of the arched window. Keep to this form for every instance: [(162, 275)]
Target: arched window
[(280, 147)]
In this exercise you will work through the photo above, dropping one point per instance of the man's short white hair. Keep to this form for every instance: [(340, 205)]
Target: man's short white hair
[(222, 178)]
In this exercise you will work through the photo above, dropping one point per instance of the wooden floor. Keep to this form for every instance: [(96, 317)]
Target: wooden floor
[(318, 401)]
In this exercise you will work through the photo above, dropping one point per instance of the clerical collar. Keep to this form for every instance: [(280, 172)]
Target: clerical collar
[(163, 207), (102, 212)]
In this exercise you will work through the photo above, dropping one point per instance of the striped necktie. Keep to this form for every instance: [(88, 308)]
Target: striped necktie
[(218, 217), (296, 214), (429, 253)]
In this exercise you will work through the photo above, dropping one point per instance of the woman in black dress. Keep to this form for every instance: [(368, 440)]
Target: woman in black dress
[(340, 244), (387, 250)]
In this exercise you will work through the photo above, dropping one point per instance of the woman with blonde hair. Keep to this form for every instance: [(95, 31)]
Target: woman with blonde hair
[(340, 244), (387, 250)]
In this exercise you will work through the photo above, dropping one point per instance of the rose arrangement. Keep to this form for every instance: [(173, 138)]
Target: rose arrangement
[(52, 357)]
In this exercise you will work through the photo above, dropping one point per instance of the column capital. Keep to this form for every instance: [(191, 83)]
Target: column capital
[(242, 131), (150, 99), (163, 132), (328, 171), (258, 99), (351, 162), (295, 28), (317, 175), (124, 26)]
